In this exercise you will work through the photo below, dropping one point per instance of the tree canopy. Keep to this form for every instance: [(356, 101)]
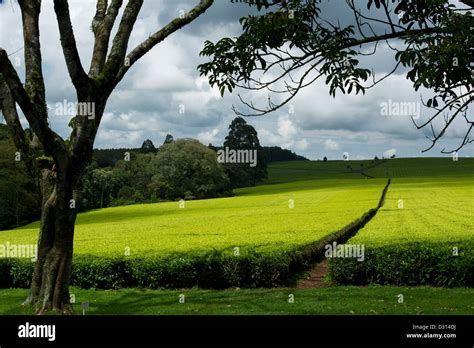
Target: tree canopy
[(291, 44)]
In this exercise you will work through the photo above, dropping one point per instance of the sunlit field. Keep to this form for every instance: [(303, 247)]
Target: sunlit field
[(434, 210), (264, 218)]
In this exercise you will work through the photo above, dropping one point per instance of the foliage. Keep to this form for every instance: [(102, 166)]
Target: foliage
[(243, 136), (148, 147), (187, 169), (289, 45), (409, 264), (169, 139), (19, 197)]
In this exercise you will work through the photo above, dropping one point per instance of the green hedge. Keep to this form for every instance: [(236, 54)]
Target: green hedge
[(216, 270), (408, 264)]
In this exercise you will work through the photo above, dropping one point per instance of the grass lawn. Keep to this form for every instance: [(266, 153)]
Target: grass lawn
[(322, 301)]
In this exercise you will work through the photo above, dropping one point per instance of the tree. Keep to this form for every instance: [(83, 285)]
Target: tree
[(148, 146), (134, 174), (187, 169), (291, 44), (19, 196), (102, 178), (169, 139), (243, 136), (50, 283)]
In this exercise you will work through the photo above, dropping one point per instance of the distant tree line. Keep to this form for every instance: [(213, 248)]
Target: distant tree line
[(19, 199), (178, 169)]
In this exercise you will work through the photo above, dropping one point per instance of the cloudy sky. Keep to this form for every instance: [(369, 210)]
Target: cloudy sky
[(150, 101)]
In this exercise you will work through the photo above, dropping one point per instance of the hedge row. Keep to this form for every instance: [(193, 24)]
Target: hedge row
[(215, 271), (408, 264)]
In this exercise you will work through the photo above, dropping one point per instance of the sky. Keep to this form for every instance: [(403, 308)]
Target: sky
[(163, 93)]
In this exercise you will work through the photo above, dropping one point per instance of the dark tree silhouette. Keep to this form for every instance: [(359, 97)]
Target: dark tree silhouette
[(169, 139), (148, 146), (243, 136)]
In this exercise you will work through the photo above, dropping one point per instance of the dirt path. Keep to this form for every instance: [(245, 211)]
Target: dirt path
[(315, 277)]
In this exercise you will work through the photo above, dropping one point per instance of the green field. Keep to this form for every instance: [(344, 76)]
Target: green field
[(405, 246), (432, 210), (424, 233), (395, 168), (342, 300), (258, 218), (196, 245)]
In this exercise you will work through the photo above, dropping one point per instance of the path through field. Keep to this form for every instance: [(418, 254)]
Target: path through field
[(316, 276)]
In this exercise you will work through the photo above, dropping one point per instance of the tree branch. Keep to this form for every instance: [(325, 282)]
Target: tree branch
[(34, 82), (78, 76), (160, 35), (102, 26), (52, 142), (119, 48), (8, 108), (101, 10)]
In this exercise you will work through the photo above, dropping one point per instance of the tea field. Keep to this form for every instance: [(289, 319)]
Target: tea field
[(264, 218)]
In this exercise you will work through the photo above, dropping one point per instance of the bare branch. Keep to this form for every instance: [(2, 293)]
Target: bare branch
[(8, 108), (119, 48), (101, 10), (34, 83), (102, 26), (52, 142), (162, 34), (78, 76)]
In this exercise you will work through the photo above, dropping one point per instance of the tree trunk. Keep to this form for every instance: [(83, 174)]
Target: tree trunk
[(52, 273)]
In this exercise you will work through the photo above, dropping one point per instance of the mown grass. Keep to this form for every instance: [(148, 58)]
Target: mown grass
[(325, 301)]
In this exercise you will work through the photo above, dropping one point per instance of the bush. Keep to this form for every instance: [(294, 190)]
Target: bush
[(407, 265), (187, 169), (6, 279), (214, 270), (100, 273)]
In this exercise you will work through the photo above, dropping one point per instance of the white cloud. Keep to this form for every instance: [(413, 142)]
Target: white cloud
[(286, 135), (208, 137), (390, 153), (146, 103), (331, 145), (286, 128), (301, 145)]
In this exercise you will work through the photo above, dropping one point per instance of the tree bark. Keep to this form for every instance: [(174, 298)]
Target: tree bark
[(59, 185), (52, 273)]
